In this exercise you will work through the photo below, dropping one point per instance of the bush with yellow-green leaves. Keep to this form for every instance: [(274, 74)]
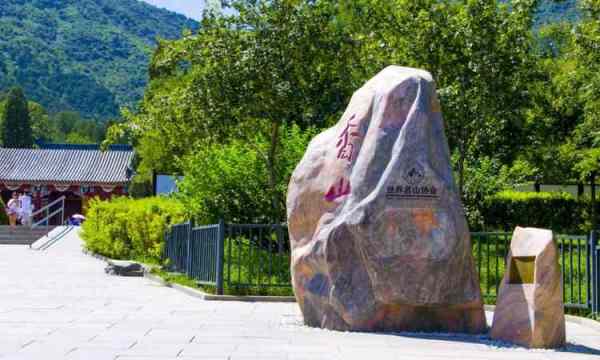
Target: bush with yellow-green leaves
[(124, 228)]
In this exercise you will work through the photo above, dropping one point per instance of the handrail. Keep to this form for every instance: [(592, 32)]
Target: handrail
[(37, 212), (46, 209), (48, 217), (55, 238)]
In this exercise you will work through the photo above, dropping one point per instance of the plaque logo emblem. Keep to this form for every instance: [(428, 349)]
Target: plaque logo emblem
[(414, 185), (415, 174)]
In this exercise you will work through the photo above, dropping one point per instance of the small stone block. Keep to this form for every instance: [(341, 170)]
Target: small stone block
[(124, 268), (529, 309)]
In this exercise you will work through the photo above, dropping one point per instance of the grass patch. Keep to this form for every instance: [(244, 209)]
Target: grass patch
[(255, 265), (175, 278), (183, 279)]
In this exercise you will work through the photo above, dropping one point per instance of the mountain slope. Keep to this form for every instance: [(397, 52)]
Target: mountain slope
[(89, 56), (552, 11)]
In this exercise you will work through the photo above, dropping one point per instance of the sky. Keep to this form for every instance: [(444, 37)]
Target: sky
[(190, 8)]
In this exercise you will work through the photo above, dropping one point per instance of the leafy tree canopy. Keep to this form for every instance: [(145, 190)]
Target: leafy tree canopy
[(297, 62)]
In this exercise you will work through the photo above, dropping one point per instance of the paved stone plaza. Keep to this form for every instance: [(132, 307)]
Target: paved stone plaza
[(59, 304)]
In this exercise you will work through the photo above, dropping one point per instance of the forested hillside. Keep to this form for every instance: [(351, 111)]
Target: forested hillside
[(89, 56), (551, 11)]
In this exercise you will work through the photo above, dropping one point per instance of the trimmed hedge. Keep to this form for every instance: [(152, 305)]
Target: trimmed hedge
[(561, 212), (125, 228)]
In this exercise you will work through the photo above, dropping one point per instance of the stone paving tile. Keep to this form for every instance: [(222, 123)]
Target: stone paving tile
[(44, 350), (90, 354), (121, 357), (111, 342), (162, 350), (208, 350), (159, 336), (63, 306)]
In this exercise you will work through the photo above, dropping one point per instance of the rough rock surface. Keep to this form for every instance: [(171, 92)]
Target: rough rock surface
[(379, 237), (124, 268), (529, 310)]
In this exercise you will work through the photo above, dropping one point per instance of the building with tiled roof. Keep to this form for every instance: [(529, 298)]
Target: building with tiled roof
[(78, 172)]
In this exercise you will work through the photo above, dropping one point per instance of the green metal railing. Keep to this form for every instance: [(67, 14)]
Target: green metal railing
[(231, 255), (257, 256)]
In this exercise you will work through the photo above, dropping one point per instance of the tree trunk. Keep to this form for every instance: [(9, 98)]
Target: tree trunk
[(271, 165), (461, 163)]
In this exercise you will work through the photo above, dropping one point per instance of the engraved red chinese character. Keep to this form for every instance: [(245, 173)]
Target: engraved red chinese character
[(344, 144), (338, 190)]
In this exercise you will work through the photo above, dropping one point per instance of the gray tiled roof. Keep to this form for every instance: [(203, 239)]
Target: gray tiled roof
[(65, 165)]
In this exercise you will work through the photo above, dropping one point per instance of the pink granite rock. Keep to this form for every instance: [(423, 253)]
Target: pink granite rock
[(378, 233), (529, 309)]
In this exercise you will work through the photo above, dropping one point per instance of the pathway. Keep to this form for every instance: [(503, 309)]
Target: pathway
[(59, 304)]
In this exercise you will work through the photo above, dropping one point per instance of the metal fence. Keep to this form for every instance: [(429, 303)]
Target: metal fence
[(257, 256), (196, 252), (239, 256)]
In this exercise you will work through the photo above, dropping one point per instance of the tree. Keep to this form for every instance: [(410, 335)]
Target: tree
[(72, 128), (275, 63), (287, 62), (43, 129), (478, 51), (15, 130), (275, 76), (587, 53)]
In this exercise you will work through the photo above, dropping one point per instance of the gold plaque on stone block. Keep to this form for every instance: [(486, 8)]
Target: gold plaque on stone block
[(522, 270)]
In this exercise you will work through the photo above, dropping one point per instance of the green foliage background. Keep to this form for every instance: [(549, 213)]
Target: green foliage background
[(3, 215), (561, 212), (232, 105), (231, 181), (124, 228), (88, 56), (15, 122), (60, 127)]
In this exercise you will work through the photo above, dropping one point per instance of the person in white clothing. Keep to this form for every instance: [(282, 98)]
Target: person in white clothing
[(26, 209), (12, 210)]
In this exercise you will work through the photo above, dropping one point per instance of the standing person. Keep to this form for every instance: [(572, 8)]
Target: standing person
[(12, 210), (26, 209)]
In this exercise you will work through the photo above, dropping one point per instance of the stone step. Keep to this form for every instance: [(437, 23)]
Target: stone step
[(29, 233), (10, 238), (18, 242), (21, 228), (22, 235)]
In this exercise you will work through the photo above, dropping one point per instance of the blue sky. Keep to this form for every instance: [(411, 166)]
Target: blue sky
[(190, 8)]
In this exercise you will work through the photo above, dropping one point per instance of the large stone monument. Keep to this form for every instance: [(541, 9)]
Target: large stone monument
[(529, 310), (379, 237)]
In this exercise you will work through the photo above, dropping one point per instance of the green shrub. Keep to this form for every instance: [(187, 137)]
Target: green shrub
[(127, 228), (231, 181), (3, 216), (484, 177), (561, 212)]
